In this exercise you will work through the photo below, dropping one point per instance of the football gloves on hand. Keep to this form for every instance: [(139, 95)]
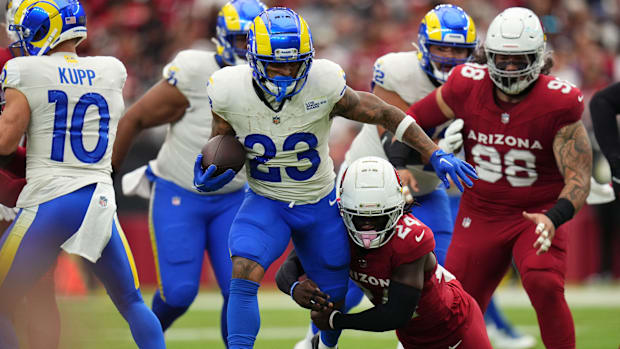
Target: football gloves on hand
[(459, 170), (452, 139), (206, 181)]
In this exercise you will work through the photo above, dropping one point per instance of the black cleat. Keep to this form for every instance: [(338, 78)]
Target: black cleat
[(315, 340)]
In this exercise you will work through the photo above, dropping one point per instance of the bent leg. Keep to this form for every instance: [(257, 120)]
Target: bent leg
[(543, 280), (117, 271)]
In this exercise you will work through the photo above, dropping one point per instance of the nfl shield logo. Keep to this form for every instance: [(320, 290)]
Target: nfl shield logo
[(466, 222), (362, 262), (176, 201), (505, 118), (276, 119), (103, 201)]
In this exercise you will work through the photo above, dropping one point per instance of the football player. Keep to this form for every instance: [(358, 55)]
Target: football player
[(446, 38), (69, 106), (604, 108), (280, 107), (183, 223), (523, 131), (392, 260)]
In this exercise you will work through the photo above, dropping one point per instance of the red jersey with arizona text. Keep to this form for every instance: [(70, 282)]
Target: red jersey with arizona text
[(511, 146), (443, 305)]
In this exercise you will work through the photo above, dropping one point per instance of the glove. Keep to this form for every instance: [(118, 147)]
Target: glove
[(458, 170), (452, 139), (205, 182)]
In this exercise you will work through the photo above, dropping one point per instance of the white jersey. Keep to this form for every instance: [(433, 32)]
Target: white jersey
[(189, 72), (75, 105), (401, 73), (288, 155)]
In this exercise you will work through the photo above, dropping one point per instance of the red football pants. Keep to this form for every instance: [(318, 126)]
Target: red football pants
[(482, 247)]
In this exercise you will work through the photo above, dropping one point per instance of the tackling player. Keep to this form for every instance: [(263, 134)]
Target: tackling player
[(69, 106), (183, 223), (523, 131), (392, 260), (280, 107)]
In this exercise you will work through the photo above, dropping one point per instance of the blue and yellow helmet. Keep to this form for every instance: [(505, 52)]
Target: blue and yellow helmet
[(279, 35), (445, 25), (40, 25), (233, 20)]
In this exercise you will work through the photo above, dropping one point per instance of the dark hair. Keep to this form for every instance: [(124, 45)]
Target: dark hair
[(480, 57)]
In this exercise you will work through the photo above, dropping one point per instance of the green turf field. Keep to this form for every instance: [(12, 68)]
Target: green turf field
[(92, 322)]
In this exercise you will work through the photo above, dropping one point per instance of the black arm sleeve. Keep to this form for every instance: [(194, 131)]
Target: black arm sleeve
[(399, 309), (398, 153), (604, 107), (289, 272)]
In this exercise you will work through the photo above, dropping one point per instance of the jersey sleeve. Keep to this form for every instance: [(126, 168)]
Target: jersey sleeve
[(334, 80), (413, 240), (382, 74), (573, 110), (122, 72), (181, 72), (218, 93), (456, 89), (11, 75)]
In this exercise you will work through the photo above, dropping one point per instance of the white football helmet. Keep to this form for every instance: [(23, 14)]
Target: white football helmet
[(515, 31), (11, 11), (371, 201)]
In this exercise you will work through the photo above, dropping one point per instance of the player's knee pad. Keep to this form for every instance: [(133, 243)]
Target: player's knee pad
[(181, 295), (542, 286)]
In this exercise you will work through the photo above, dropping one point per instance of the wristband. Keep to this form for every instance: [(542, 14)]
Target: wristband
[(562, 211), (403, 126), (293, 288), (331, 318)]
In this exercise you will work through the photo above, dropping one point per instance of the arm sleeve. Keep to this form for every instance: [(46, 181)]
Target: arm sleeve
[(401, 304), (289, 272), (604, 107), (399, 154)]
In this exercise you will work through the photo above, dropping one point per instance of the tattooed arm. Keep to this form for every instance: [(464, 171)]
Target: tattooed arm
[(573, 155), (220, 126), (368, 108)]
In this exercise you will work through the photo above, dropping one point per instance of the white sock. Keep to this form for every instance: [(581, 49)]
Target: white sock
[(309, 334)]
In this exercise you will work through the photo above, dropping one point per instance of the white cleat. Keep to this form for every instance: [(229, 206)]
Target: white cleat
[(502, 339), (400, 346), (303, 344)]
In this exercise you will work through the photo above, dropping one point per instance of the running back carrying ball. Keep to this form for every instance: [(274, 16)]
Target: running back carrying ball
[(223, 151)]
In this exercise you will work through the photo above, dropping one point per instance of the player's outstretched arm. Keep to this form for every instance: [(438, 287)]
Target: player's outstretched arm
[(404, 293), (306, 293), (368, 108), (14, 121), (160, 105)]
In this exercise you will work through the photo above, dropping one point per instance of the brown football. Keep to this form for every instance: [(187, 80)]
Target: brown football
[(223, 151)]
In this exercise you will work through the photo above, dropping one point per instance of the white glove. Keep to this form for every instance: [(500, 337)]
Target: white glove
[(6, 213), (452, 139)]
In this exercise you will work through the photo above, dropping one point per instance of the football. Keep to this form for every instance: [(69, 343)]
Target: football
[(223, 151)]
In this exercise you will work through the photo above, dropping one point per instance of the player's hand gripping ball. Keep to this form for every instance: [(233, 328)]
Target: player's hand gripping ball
[(222, 157)]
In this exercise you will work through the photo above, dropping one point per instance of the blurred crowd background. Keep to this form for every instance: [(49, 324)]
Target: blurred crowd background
[(583, 35)]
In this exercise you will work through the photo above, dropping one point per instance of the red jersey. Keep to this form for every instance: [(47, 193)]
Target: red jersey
[(443, 305), (511, 146)]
